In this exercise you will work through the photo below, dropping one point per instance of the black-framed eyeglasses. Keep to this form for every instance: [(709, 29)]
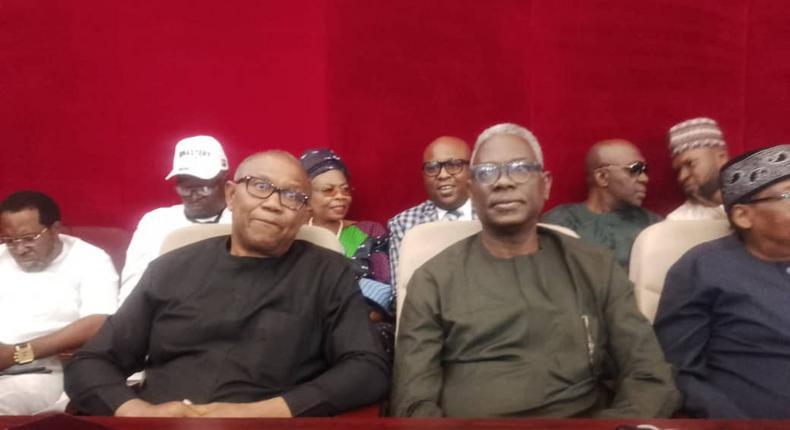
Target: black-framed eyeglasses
[(634, 169), (453, 166), (263, 188), (331, 190), (519, 171), (27, 240), (776, 198), (202, 191)]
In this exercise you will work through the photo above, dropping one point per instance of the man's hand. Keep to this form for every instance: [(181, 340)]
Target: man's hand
[(141, 408), (272, 408), (6, 356)]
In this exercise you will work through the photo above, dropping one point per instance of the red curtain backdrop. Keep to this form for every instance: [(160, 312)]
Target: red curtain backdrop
[(95, 94)]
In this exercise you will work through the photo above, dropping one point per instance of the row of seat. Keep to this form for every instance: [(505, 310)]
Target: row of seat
[(655, 249)]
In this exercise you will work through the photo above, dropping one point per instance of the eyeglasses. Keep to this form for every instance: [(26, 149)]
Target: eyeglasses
[(634, 169), (780, 197), (519, 171), (262, 189), (453, 166), (24, 240), (331, 190), (202, 191)]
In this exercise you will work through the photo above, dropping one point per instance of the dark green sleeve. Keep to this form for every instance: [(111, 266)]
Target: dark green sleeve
[(417, 375), (560, 215), (645, 387)]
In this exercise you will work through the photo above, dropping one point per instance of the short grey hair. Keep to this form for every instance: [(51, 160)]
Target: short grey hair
[(507, 128)]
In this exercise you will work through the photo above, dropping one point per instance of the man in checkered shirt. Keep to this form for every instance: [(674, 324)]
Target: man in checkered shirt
[(445, 173)]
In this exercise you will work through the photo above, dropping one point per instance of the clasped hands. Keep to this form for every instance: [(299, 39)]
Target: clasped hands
[(271, 408)]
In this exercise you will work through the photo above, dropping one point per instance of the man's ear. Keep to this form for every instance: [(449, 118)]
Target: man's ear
[(721, 158), (56, 227), (601, 177), (741, 216), (230, 193), (546, 185)]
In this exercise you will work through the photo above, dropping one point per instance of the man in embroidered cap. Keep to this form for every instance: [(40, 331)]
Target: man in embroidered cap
[(199, 170), (698, 152), (723, 317)]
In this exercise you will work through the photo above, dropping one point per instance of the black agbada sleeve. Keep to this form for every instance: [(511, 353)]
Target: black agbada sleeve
[(359, 370)]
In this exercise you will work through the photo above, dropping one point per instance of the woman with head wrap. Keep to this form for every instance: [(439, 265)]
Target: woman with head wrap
[(365, 242)]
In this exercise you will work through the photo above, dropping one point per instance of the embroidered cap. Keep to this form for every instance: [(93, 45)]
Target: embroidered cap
[(748, 174), (695, 133)]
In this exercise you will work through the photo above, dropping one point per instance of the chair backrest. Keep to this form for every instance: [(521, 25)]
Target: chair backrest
[(112, 240), (197, 232), (424, 241), (658, 247)]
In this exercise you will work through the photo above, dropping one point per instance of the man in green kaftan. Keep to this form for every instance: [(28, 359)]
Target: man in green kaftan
[(612, 216), (522, 321)]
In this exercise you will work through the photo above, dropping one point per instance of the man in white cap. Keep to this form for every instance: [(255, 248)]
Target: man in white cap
[(199, 169), (698, 153)]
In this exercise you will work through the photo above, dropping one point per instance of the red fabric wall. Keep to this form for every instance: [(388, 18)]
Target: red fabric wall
[(95, 93)]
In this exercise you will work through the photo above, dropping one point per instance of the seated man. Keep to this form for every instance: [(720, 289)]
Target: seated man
[(445, 174), (723, 316), (612, 215), (55, 292), (523, 321), (698, 153), (255, 324), (199, 168)]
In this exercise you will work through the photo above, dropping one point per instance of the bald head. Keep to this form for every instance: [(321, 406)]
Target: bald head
[(448, 145), (615, 175), (253, 163), (447, 187), (269, 207), (611, 151)]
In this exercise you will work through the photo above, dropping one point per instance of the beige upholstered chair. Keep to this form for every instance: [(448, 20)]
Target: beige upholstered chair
[(658, 247), (194, 233), (426, 240)]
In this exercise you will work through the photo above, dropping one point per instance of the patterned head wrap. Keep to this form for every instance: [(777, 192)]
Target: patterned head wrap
[(695, 133), (321, 160), (750, 173)]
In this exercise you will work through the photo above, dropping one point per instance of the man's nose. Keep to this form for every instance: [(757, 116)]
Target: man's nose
[(19, 248), (504, 181), (272, 203), (443, 173)]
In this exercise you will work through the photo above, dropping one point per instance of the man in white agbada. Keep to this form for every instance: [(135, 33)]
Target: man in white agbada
[(55, 293)]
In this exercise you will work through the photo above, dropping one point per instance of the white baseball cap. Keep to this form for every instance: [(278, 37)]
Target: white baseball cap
[(198, 156)]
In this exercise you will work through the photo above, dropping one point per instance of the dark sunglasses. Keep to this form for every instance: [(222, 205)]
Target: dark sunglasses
[(634, 169)]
